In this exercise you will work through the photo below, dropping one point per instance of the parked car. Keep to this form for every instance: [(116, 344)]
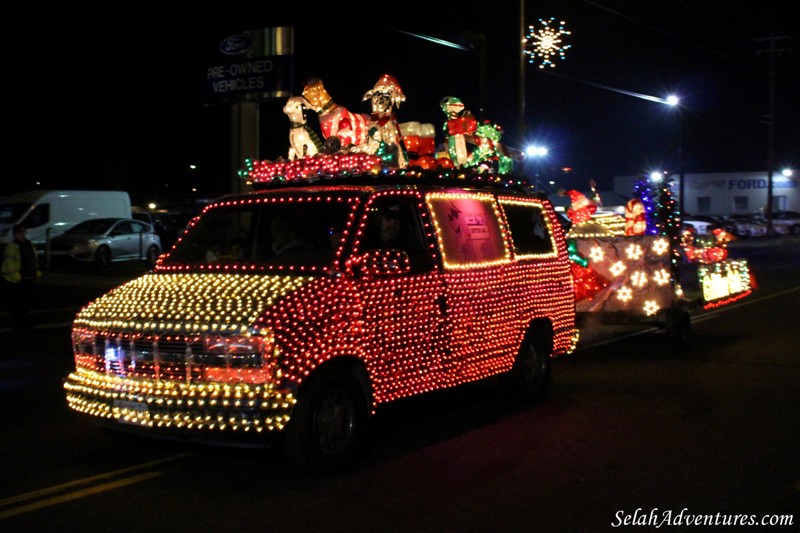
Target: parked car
[(168, 225), (701, 224), (779, 227), (745, 226), (787, 221), (107, 240)]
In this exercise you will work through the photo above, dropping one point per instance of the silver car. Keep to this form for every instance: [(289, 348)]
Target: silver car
[(107, 240)]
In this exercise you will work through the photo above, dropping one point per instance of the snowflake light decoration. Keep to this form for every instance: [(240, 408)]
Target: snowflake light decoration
[(639, 279), (660, 246), (596, 254), (625, 294), (546, 43), (661, 276), (634, 252), (617, 268), (650, 307)]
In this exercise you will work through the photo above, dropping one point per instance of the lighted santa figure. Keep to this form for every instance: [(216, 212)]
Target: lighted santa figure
[(581, 208)]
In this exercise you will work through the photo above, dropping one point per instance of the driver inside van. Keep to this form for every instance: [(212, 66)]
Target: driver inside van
[(394, 228), (287, 245)]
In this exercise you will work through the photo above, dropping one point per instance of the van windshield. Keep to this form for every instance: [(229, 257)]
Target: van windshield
[(275, 231), (11, 212)]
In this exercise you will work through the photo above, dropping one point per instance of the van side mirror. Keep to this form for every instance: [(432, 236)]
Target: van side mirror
[(381, 263)]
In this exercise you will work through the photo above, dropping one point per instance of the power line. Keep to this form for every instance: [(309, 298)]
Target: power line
[(665, 33)]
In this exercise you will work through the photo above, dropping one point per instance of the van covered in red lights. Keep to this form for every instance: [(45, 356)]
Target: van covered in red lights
[(300, 309)]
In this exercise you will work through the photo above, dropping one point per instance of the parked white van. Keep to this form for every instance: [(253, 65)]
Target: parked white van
[(49, 213)]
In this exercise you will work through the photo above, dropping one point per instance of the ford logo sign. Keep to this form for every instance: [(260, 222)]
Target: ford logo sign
[(235, 45)]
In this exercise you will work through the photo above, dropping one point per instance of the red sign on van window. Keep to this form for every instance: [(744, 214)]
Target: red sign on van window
[(468, 229)]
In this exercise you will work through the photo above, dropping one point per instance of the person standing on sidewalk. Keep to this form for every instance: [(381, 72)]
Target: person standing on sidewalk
[(20, 270)]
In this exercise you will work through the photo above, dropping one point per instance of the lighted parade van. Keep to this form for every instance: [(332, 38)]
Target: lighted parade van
[(298, 310)]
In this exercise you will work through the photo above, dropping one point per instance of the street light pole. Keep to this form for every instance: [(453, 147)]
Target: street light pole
[(773, 50), (675, 102), (681, 179)]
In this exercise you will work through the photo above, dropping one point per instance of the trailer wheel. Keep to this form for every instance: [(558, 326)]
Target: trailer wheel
[(328, 425), (679, 325), (529, 378)]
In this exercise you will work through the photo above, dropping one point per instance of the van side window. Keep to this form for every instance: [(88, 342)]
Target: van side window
[(393, 223), (530, 231), (468, 229)]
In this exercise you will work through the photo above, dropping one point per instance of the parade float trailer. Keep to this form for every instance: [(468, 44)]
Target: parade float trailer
[(645, 267)]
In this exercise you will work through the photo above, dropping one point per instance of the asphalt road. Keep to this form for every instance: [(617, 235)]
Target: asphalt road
[(634, 429)]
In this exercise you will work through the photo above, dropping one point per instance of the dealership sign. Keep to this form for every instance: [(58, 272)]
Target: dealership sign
[(253, 65), (701, 183), (761, 183)]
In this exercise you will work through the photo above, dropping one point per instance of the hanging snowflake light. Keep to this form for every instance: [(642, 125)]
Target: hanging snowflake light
[(546, 42)]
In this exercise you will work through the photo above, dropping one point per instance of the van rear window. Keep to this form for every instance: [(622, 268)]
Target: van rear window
[(468, 229), (531, 233)]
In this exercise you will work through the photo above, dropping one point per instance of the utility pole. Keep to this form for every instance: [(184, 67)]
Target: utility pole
[(773, 50)]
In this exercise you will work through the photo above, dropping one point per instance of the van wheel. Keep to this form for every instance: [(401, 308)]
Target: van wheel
[(152, 255), (328, 425), (103, 256), (529, 378)]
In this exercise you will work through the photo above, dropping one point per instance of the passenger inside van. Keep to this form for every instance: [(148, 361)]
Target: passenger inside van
[(394, 225)]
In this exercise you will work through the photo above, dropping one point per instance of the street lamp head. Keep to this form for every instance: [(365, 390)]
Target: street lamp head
[(673, 100), (787, 172), (656, 176), (536, 151)]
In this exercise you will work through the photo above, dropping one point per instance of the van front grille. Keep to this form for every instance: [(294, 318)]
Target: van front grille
[(171, 358)]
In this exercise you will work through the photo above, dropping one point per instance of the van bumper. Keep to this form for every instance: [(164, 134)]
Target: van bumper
[(210, 409)]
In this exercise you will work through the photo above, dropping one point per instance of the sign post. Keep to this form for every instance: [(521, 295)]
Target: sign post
[(254, 66)]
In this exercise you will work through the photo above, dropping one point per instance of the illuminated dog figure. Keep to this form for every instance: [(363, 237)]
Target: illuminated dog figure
[(303, 141)]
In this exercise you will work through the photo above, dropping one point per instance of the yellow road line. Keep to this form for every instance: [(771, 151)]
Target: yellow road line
[(78, 494), (85, 481)]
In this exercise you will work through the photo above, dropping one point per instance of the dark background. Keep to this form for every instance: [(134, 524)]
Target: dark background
[(115, 99)]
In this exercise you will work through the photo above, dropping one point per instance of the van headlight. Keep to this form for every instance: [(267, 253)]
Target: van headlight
[(240, 358)]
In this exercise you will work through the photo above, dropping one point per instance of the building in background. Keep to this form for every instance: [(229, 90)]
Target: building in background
[(728, 193)]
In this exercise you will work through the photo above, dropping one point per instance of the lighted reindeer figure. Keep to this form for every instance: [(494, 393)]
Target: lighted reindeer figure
[(335, 121), (303, 141)]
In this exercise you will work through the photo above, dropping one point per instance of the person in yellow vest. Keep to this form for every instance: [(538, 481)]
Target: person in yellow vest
[(20, 270)]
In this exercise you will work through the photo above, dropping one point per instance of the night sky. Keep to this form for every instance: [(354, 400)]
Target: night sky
[(103, 100)]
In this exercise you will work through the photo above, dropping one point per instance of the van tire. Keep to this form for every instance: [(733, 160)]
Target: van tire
[(529, 378), (328, 426), (102, 256)]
